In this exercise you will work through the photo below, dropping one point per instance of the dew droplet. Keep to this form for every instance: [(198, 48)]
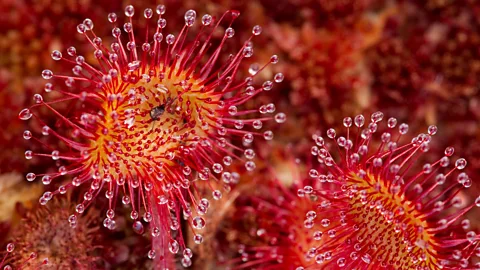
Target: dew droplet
[(25, 114), (359, 120), (217, 194), (198, 223), (274, 59), (190, 17), (403, 129), (47, 74), (10, 247), (449, 151), (267, 86), (471, 235), (80, 208), (45, 130), (27, 135), (31, 176), (280, 118), (62, 189), (461, 163), (432, 130), (232, 110), (160, 9), (138, 227), (229, 32), (88, 24), (55, 155), (125, 200), (37, 98), (477, 201), (81, 28), (48, 195), (250, 165), (366, 258), (198, 239), (268, 135), (148, 13), (46, 179), (170, 39), (186, 262), (56, 55), (206, 19), (173, 246), (317, 235), (155, 232), (257, 30), (129, 11)]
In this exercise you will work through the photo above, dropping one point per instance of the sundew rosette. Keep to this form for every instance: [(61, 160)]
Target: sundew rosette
[(44, 239), (387, 208), (270, 226), (152, 115)]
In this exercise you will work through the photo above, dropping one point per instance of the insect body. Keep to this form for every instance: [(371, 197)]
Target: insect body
[(157, 112)]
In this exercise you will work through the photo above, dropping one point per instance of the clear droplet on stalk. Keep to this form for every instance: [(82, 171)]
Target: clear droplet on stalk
[(47, 74), (25, 114), (56, 55), (198, 223), (138, 227), (28, 154)]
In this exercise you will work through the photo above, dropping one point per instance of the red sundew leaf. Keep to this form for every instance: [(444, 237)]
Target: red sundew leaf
[(394, 212), (157, 112)]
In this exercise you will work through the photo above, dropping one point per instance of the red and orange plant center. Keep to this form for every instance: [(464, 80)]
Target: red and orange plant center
[(392, 228), (144, 131)]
